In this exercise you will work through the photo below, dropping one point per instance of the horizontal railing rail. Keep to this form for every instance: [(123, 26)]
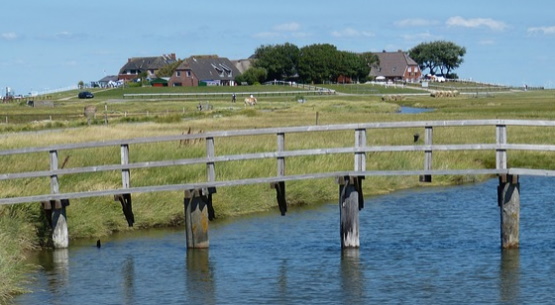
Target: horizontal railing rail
[(359, 150)]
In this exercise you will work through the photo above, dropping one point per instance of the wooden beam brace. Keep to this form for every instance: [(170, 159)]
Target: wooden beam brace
[(280, 196)]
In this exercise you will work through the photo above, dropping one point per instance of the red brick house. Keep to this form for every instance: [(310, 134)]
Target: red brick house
[(395, 66), (208, 70), (138, 65)]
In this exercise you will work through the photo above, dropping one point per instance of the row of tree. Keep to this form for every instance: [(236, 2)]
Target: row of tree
[(320, 63), (317, 63)]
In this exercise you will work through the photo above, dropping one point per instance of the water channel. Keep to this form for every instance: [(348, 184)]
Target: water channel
[(424, 246)]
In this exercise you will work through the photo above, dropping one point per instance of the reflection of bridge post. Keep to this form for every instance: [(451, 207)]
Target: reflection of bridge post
[(509, 275), (351, 277), (508, 193), (349, 205), (199, 280)]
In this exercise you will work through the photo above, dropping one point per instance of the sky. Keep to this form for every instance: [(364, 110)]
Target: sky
[(54, 44)]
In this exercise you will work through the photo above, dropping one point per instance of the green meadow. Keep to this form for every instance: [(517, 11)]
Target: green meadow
[(60, 118)]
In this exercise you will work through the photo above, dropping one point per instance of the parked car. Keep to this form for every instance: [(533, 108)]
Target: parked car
[(85, 94)]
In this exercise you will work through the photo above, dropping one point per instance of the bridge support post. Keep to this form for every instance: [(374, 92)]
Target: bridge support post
[(508, 194), (198, 210), (55, 211), (349, 205)]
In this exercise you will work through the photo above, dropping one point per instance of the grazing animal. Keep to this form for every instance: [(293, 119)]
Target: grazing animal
[(250, 101)]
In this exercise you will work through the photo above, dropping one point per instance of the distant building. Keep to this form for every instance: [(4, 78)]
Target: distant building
[(209, 70), (395, 66), (107, 81), (150, 65)]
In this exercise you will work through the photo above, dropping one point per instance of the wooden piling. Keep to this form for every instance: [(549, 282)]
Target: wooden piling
[(196, 219), (348, 210), (508, 193)]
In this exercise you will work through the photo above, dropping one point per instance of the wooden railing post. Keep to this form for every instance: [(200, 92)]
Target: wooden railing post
[(348, 212), (280, 185), (360, 157), (57, 211), (501, 154), (508, 193), (428, 141), (125, 199)]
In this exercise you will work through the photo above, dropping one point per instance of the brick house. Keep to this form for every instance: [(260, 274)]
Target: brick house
[(396, 66), (210, 70), (138, 65)]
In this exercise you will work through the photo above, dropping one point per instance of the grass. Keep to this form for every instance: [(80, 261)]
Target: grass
[(21, 228)]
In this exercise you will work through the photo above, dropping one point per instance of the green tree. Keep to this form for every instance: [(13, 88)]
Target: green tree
[(280, 61), (352, 65), (438, 56), (252, 76), (319, 63)]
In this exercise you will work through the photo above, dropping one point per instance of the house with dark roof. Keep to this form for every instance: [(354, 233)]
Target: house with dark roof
[(395, 66), (208, 70), (138, 65), (107, 81)]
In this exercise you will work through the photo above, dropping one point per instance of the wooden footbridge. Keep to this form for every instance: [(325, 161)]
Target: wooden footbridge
[(198, 196)]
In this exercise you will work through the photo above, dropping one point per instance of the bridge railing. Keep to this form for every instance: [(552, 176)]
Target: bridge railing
[(360, 149)]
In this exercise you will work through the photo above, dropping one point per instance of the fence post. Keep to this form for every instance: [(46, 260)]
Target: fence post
[(348, 210), (360, 156), (508, 196), (428, 141), (125, 199), (501, 154), (60, 236), (280, 185)]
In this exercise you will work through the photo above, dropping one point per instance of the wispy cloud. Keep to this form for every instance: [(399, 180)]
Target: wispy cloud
[(425, 36), (476, 23), (9, 36), (546, 30), (415, 22), (350, 32), (267, 35)]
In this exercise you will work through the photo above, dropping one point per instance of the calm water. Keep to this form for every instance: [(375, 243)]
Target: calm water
[(413, 110), (431, 246)]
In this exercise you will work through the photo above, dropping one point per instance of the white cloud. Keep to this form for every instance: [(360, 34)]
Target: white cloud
[(9, 36), (287, 27), (416, 22), (350, 32), (547, 30), (476, 22), (425, 36), (266, 35)]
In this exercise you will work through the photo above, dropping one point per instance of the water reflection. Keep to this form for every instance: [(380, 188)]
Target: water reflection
[(200, 285), (352, 279), (128, 276), (509, 275)]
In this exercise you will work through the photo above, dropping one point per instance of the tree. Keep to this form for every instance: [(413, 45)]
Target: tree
[(252, 76), (319, 63), (352, 65), (441, 55), (280, 61)]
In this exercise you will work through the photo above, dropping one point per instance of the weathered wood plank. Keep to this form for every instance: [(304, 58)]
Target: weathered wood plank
[(177, 187)]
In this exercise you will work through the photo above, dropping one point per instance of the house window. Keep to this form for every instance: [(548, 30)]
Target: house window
[(410, 69), (188, 73), (177, 73)]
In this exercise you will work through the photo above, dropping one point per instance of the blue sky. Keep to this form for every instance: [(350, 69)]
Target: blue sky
[(53, 44)]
